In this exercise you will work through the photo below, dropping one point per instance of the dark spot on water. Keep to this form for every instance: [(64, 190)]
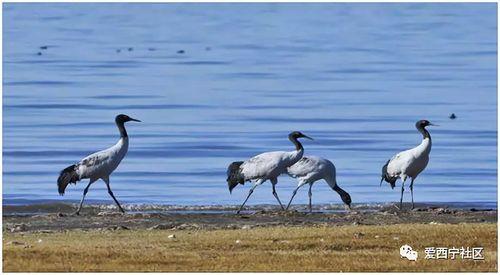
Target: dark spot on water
[(453, 116), (151, 49), (208, 48), (130, 49), (44, 47), (180, 51), (118, 50), (39, 53)]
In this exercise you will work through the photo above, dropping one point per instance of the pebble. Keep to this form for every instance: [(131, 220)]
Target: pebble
[(104, 213), (162, 226), (19, 243), (118, 227), (358, 235), (18, 228), (238, 241), (395, 238), (16, 243), (171, 236), (187, 226), (246, 227)]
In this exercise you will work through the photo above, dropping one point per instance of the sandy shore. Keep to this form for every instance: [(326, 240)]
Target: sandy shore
[(58, 217), (365, 239)]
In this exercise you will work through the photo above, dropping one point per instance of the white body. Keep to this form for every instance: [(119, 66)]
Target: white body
[(269, 165), (101, 164), (311, 168), (410, 163)]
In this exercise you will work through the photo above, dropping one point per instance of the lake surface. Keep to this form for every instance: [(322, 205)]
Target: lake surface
[(356, 77)]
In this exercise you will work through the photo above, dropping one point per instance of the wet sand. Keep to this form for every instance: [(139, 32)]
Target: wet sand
[(58, 217)]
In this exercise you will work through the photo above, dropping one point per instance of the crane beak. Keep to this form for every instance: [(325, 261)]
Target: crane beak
[(304, 136), (432, 124), (133, 119)]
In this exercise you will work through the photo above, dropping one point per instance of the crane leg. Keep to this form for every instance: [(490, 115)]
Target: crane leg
[(274, 182), (411, 189), (106, 180), (310, 198), (402, 191), (259, 182), (295, 193), (85, 191)]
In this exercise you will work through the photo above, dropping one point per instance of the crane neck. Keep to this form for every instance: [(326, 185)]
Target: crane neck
[(298, 145), (424, 132), (121, 128), (426, 145), (346, 198)]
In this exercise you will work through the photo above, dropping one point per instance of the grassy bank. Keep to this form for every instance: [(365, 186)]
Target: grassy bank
[(337, 248)]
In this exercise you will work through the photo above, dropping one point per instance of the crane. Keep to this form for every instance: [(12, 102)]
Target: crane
[(409, 163), (310, 169), (98, 165), (266, 166)]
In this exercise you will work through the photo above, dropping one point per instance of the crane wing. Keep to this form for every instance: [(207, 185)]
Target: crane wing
[(261, 165), (303, 167), (92, 163)]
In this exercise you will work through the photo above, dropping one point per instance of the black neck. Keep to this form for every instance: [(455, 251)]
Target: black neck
[(346, 198), (298, 145), (121, 128), (424, 132), (339, 190)]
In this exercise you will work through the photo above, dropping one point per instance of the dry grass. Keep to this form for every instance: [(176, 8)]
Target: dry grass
[(339, 248)]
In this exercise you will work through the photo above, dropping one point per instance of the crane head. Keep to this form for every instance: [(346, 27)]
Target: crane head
[(424, 123), (121, 118), (346, 198), (297, 134)]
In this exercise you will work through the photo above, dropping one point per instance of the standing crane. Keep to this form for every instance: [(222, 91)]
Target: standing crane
[(310, 169), (266, 166), (98, 165), (409, 163)]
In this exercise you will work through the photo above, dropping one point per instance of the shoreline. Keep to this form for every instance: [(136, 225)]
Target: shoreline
[(57, 206), (102, 217)]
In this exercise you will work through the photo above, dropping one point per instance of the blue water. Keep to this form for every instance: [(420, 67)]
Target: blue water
[(355, 77)]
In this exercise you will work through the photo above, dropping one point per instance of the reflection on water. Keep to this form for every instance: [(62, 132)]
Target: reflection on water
[(355, 77)]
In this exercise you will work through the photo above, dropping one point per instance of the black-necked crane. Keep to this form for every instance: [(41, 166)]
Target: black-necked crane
[(310, 169), (409, 163), (98, 165), (266, 166)]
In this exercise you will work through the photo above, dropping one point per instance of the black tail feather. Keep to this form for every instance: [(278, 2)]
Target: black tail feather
[(68, 175), (234, 176), (387, 177)]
